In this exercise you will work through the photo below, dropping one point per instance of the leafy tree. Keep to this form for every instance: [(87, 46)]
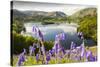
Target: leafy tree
[(88, 26), (18, 26)]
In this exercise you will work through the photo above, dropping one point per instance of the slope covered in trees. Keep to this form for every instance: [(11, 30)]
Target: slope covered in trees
[(87, 20)]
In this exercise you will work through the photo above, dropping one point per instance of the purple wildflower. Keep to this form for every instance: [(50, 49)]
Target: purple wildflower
[(50, 52), (90, 56), (57, 47), (60, 36), (43, 50), (34, 29), (80, 35), (21, 58), (82, 49), (56, 37), (47, 58), (63, 50), (73, 45), (31, 50), (37, 57), (53, 51), (24, 50), (38, 33), (95, 58)]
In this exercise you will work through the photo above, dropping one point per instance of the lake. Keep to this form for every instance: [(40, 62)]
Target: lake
[(49, 31)]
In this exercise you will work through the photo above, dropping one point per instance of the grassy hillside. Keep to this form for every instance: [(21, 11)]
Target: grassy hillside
[(87, 20), (87, 12)]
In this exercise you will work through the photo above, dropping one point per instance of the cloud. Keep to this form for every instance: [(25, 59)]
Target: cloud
[(38, 6)]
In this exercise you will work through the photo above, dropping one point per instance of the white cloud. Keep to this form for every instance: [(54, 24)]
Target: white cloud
[(66, 8)]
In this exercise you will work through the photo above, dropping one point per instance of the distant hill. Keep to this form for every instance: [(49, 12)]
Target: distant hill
[(18, 14), (87, 12), (42, 13), (37, 15)]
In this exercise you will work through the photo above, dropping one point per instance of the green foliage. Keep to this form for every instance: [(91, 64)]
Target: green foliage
[(69, 19), (48, 45), (87, 20), (88, 26), (57, 19), (79, 15), (19, 42), (17, 26)]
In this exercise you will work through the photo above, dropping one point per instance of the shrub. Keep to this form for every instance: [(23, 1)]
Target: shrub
[(19, 42)]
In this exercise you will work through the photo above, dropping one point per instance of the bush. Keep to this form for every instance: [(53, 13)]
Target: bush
[(48, 45), (88, 26), (19, 42)]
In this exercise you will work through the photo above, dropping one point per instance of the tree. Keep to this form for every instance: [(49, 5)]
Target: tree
[(17, 26), (88, 26)]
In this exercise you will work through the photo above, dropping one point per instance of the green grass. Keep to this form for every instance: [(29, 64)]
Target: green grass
[(32, 61)]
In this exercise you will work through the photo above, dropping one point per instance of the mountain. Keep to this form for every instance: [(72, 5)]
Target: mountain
[(43, 13), (18, 14), (84, 12), (37, 15)]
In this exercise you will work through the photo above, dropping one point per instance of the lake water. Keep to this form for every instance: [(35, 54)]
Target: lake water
[(49, 32)]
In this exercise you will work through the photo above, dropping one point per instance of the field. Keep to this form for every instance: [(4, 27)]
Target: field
[(31, 60)]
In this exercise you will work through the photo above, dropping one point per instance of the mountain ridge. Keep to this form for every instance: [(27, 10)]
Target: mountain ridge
[(38, 14)]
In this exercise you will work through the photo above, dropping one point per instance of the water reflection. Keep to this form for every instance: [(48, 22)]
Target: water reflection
[(49, 32)]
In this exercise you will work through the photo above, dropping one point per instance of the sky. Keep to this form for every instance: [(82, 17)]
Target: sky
[(68, 9)]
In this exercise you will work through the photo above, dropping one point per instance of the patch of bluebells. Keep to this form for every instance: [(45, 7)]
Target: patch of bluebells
[(57, 51)]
